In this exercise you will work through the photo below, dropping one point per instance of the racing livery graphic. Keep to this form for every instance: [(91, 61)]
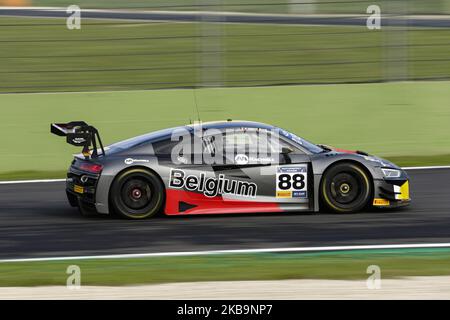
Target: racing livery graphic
[(211, 187), (223, 167)]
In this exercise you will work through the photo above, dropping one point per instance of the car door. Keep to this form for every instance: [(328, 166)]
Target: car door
[(277, 170)]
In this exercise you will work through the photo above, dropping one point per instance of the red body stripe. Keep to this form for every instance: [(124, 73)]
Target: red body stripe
[(343, 150), (213, 205)]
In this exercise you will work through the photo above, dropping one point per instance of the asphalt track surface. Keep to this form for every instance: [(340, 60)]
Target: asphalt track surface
[(229, 17), (36, 221)]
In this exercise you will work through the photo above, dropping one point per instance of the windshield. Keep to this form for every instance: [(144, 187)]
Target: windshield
[(311, 147)]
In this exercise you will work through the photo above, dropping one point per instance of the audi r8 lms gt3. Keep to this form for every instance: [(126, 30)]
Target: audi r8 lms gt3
[(224, 167)]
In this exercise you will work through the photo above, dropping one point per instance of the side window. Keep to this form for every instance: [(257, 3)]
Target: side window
[(225, 145), (238, 146), (164, 147), (281, 144), (238, 142), (253, 146), (178, 151), (257, 142)]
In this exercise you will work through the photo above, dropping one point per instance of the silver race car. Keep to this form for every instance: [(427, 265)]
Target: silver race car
[(224, 167)]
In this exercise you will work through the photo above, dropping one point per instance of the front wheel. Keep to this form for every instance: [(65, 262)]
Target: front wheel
[(346, 188), (137, 194)]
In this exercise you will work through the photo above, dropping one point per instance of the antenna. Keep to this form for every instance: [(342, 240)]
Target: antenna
[(196, 105)]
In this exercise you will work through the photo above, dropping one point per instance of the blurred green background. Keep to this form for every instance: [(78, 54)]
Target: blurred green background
[(40, 55), (276, 6), (382, 91)]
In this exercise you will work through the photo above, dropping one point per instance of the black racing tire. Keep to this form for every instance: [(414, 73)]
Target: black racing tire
[(137, 194), (346, 188)]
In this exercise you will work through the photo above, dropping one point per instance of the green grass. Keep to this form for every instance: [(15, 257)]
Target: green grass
[(394, 263), (30, 174), (40, 55), (407, 122), (425, 160)]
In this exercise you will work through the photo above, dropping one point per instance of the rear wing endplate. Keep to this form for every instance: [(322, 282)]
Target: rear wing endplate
[(79, 133)]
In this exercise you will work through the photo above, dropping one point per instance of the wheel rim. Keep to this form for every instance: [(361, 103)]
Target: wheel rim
[(136, 194), (347, 190)]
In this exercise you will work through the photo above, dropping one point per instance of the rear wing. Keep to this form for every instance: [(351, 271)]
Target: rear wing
[(79, 133)]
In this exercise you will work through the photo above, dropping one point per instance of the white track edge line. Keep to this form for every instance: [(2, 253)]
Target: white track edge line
[(62, 180), (426, 168), (236, 251), (32, 181), (237, 13)]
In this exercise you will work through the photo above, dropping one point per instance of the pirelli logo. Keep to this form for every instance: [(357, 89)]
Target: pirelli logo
[(284, 194), (380, 202)]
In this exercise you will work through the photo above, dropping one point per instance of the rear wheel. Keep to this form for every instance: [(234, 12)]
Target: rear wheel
[(137, 194), (346, 188)]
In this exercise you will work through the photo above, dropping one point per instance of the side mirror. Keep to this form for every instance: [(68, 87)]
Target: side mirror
[(286, 150)]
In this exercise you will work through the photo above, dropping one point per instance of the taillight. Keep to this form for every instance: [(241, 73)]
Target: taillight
[(91, 167)]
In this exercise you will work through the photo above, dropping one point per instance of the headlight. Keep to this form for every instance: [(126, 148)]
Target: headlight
[(391, 173)]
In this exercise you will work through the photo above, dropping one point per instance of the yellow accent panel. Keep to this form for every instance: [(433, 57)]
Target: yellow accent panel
[(380, 202), (404, 191)]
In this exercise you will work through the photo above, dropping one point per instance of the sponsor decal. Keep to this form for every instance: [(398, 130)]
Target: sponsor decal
[(211, 186), (182, 160), (78, 189), (284, 194), (78, 140), (244, 159), (291, 136), (380, 202), (131, 161), (292, 182), (241, 159)]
